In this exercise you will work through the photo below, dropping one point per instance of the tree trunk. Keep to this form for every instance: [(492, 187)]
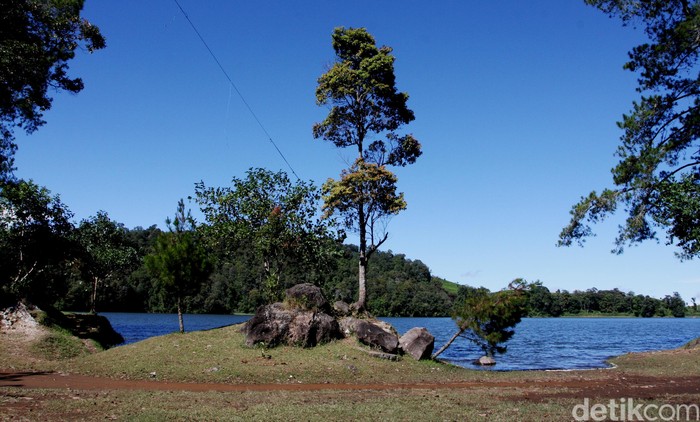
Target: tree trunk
[(361, 303), (443, 348), (362, 279), (179, 316), (93, 305)]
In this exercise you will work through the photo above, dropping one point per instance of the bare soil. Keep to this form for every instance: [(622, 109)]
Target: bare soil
[(613, 386)]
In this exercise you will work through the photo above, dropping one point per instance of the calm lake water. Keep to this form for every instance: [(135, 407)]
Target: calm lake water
[(539, 343)]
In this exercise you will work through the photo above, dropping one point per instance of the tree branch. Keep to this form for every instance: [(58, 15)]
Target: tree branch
[(449, 342), (373, 248)]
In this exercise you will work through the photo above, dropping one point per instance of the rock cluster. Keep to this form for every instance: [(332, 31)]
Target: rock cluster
[(301, 320), (306, 319)]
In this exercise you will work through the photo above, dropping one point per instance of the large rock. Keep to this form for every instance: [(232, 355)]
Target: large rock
[(342, 308), (298, 321), (374, 335), (269, 326), (348, 325), (307, 329), (417, 342), (306, 296)]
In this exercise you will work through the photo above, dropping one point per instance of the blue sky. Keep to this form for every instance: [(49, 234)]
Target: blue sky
[(515, 105)]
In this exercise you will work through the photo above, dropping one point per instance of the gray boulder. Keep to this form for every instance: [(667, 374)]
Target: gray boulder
[(342, 308), (417, 342), (347, 325), (374, 335), (309, 329), (269, 325), (306, 296), (299, 321)]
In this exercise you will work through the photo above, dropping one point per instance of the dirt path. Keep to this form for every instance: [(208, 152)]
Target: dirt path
[(613, 386)]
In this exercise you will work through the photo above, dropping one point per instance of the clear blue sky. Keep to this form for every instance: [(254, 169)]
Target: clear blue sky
[(515, 104)]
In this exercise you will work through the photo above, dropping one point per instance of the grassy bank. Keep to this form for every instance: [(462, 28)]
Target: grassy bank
[(219, 356)]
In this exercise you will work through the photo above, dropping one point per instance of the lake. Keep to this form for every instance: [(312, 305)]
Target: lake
[(539, 343)]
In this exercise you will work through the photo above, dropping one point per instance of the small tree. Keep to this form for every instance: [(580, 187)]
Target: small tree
[(361, 89), (105, 252), (179, 262), (487, 319)]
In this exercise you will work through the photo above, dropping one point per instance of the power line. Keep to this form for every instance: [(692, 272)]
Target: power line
[(236, 89)]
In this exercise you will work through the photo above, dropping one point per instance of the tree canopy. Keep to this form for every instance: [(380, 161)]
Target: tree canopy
[(277, 221), (105, 251), (37, 40), (365, 105), (658, 176), (35, 246), (179, 261), (488, 319)]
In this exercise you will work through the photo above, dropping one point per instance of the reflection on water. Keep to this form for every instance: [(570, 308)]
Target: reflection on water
[(539, 343)]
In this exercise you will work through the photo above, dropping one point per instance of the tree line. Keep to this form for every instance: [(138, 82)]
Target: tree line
[(542, 302), (100, 265)]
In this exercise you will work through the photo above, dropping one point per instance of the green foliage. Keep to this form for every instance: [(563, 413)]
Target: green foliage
[(361, 89), (542, 302), (34, 242), (400, 286), (675, 305), (105, 252), (179, 261), (364, 189), (487, 319), (658, 175), (276, 222), (37, 40)]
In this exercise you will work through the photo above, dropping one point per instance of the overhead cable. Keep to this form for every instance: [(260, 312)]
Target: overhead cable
[(235, 88)]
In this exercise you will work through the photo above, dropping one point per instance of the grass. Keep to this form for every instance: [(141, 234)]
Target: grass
[(448, 286), (59, 344), (680, 362), (427, 405), (220, 356)]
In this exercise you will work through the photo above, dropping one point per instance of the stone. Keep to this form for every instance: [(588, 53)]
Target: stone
[(486, 361), (348, 325), (374, 335), (417, 342), (306, 296), (342, 308), (275, 324), (308, 329), (326, 328), (269, 326)]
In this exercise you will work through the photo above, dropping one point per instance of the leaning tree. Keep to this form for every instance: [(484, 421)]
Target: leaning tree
[(657, 179), (489, 319), (366, 111)]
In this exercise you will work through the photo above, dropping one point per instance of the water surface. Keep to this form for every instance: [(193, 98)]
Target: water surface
[(539, 343)]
